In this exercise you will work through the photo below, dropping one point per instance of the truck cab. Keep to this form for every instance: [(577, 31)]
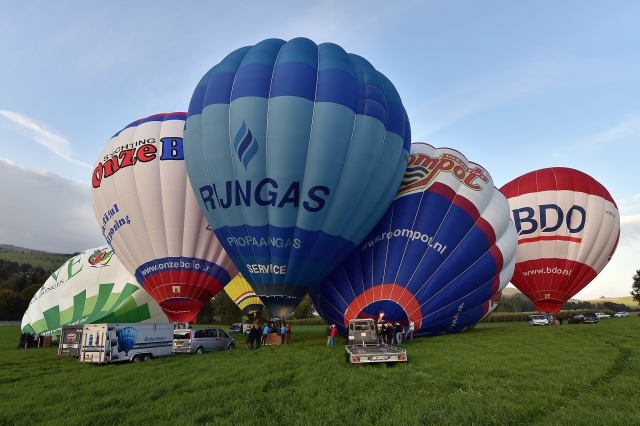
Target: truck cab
[(362, 331)]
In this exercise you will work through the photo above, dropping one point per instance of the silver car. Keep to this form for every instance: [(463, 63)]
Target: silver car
[(199, 340)]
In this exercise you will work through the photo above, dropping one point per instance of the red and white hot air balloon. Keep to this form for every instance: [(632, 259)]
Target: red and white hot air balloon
[(143, 201), (568, 228)]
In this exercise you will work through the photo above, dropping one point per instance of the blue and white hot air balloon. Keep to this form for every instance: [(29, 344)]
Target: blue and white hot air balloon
[(442, 251), (127, 339), (294, 151)]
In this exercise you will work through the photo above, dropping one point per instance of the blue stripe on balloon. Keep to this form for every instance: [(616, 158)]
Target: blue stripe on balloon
[(396, 118), (175, 116), (294, 79), (218, 90), (252, 80), (338, 87), (195, 105), (375, 110)]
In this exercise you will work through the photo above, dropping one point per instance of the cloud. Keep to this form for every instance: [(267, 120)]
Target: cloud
[(44, 211), (630, 231), (628, 127), (531, 77), (57, 144)]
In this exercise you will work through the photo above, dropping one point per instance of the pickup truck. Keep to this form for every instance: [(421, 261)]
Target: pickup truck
[(363, 347)]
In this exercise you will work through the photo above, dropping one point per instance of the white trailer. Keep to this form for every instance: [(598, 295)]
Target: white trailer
[(106, 343)]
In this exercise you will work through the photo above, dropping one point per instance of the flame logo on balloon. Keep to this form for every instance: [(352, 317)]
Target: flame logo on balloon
[(245, 145)]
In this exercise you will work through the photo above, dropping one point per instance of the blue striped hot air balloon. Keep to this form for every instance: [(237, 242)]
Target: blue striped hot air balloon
[(438, 257), (294, 151)]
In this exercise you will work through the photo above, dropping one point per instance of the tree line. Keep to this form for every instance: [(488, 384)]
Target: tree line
[(18, 284)]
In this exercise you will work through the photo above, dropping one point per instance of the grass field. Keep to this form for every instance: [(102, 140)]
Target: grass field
[(45, 261), (503, 374)]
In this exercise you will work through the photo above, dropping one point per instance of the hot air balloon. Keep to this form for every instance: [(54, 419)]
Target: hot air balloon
[(442, 251), (243, 295), (568, 229), (148, 213), (294, 151), (85, 290), (127, 339)]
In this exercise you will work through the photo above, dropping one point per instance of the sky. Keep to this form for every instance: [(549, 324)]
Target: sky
[(514, 86)]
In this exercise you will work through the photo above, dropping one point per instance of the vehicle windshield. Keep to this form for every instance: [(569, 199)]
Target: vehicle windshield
[(538, 317), (363, 326), (180, 334), (589, 315)]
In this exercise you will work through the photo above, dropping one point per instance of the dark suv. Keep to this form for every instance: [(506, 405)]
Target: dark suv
[(587, 318)]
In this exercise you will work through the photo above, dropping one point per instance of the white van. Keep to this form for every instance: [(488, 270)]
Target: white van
[(199, 340), (105, 343)]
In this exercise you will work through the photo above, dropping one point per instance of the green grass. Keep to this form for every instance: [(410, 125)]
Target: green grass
[(504, 373), (45, 261)]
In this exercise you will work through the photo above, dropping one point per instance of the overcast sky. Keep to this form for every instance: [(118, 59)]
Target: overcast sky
[(515, 86)]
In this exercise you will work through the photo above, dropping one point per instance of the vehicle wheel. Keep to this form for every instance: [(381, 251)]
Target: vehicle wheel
[(231, 346), (199, 350), (135, 358), (146, 357)]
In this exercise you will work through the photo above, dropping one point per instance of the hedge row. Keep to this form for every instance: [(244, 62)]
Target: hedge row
[(307, 321)]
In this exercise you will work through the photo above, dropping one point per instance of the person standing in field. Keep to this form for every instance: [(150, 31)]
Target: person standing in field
[(399, 331), (410, 331), (329, 335), (253, 335), (258, 336), (390, 334), (334, 331), (283, 332), (379, 333), (265, 334)]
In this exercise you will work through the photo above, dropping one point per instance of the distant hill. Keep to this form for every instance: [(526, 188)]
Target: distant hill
[(625, 300), (10, 248), (46, 260)]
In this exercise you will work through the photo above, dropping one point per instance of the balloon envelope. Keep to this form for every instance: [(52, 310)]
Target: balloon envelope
[(148, 213), (243, 295), (93, 287), (294, 151), (568, 229), (439, 255)]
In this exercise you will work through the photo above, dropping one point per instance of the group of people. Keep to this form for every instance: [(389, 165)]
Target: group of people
[(259, 333), (389, 333), (28, 340)]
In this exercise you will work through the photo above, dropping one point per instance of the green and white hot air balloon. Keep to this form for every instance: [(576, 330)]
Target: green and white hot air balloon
[(92, 287)]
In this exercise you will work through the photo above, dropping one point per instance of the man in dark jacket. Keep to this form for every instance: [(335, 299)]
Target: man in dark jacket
[(399, 332), (253, 336), (390, 334)]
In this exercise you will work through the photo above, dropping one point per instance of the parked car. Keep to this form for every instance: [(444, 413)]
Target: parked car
[(236, 328), (199, 340), (539, 319), (590, 318), (576, 319), (622, 314), (601, 315)]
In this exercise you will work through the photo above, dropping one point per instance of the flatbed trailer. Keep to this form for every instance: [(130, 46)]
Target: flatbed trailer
[(362, 354)]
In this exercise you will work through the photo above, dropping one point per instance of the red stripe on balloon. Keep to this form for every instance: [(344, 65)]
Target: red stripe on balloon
[(549, 238), (392, 292), (550, 282), (185, 303), (556, 179), (487, 229)]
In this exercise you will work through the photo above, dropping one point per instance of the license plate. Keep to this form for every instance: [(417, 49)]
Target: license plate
[(87, 358), (379, 357), (178, 343), (65, 351)]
